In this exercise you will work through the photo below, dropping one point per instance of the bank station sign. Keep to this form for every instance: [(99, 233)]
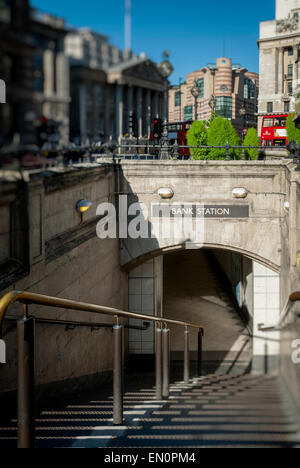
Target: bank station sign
[(201, 211)]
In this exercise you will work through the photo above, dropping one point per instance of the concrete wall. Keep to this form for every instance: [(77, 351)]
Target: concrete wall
[(141, 301), (266, 345), (258, 237), (68, 260)]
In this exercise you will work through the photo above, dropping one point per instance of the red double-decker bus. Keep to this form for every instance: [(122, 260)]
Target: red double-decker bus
[(274, 132), (177, 131)]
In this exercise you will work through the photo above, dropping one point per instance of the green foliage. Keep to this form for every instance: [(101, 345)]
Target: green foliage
[(251, 139), (221, 132), (293, 132), (197, 136)]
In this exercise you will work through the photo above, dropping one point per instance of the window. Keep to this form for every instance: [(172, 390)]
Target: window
[(200, 84), (249, 89), (270, 107), (291, 52), (188, 113), (268, 123), (280, 122), (5, 11), (224, 107), (178, 99), (290, 70), (290, 87), (287, 107)]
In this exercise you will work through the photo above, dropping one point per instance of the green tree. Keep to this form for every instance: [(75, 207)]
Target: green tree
[(221, 132), (251, 139), (197, 136), (293, 132)]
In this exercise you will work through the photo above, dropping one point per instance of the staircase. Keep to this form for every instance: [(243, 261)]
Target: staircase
[(214, 411)]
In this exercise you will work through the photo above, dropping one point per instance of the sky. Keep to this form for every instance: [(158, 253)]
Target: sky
[(194, 31)]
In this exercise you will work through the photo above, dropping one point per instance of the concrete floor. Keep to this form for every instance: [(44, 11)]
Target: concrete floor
[(211, 412), (194, 292)]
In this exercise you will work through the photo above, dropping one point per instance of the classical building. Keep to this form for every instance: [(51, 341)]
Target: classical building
[(279, 46), (36, 72), (227, 88), (51, 71), (114, 93), (16, 69)]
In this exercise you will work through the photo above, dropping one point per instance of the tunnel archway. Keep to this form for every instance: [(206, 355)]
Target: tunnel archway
[(228, 292)]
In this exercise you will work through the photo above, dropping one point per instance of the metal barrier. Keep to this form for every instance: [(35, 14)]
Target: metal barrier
[(26, 340), (293, 298)]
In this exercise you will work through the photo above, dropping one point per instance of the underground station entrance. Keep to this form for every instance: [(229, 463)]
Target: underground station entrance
[(229, 294)]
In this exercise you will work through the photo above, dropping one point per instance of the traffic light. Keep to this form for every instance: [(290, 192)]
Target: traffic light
[(157, 129), (42, 132)]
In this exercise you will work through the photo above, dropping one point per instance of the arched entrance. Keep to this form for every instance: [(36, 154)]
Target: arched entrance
[(227, 292)]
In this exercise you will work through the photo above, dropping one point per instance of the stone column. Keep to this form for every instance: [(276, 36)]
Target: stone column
[(140, 112), (296, 68), (49, 72), (148, 112), (119, 112), (82, 107), (63, 92), (156, 105), (107, 123), (129, 109), (281, 71)]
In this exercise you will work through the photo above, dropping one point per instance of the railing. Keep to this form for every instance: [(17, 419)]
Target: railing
[(26, 339), (295, 297), (162, 151)]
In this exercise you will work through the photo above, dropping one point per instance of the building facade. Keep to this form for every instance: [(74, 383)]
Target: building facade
[(114, 94), (279, 46), (16, 70), (51, 73), (225, 88), (36, 71)]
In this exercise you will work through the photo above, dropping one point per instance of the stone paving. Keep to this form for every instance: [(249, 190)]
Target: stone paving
[(212, 411)]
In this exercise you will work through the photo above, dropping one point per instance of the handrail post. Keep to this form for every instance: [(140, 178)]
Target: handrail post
[(186, 356), (118, 375), (158, 362), (200, 357), (26, 416), (166, 363)]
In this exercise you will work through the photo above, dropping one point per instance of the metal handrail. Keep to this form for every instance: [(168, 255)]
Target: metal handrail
[(294, 297), (70, 324), (26, 353), (28, 298)]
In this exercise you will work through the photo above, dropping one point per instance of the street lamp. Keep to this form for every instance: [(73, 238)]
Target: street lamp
[(243, 113), (196, 92), (166, 69), (213, 103)]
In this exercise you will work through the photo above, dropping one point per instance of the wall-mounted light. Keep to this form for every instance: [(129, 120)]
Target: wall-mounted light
[(287, 206), (239, 193), (83, 206), (165, 193)]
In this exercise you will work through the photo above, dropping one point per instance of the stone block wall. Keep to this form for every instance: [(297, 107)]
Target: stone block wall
[(67, 260)]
